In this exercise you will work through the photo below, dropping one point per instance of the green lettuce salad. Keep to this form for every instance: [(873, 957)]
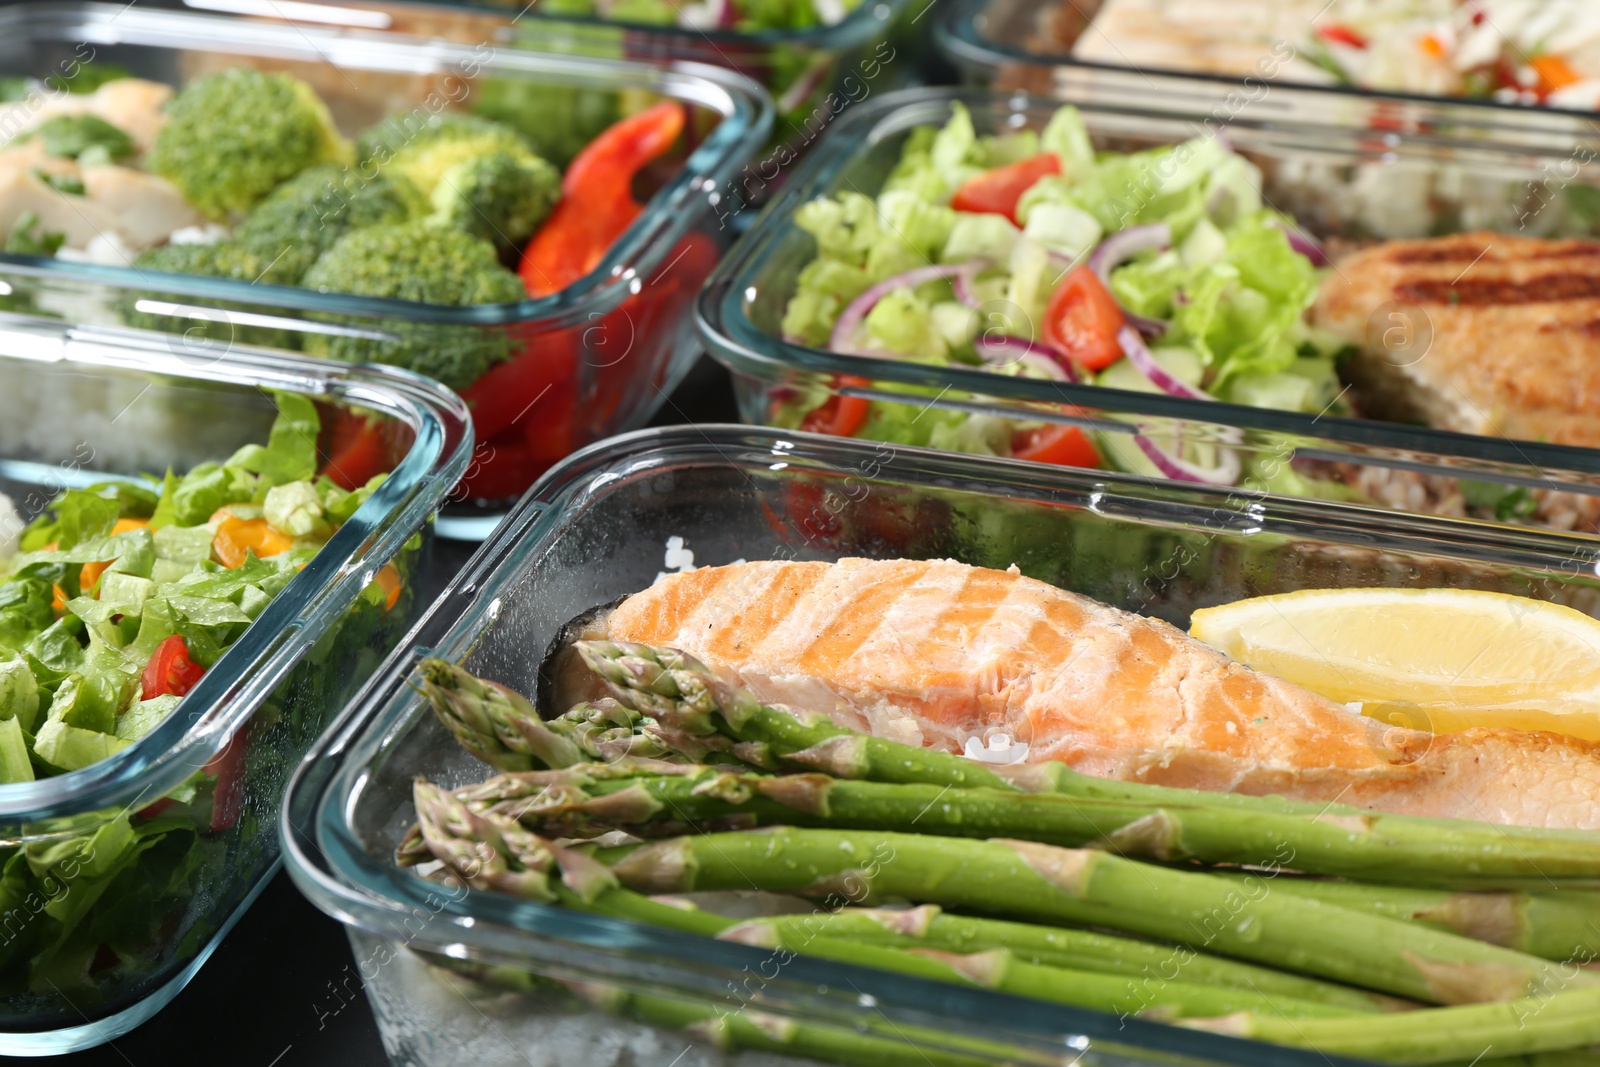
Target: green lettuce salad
[(1030, 254), (121, 597)]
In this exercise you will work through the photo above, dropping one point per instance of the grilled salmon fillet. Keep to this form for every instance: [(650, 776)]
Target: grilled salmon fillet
[(934, 652), (1515, 333)]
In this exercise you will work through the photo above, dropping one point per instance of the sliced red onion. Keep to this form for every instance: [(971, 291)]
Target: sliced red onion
[(1226, 472), (1111, 252), (1140, 356), (966, 281), (1308, 248), (1304, 245), (850, 319), (1151, 328), (1000, 349)]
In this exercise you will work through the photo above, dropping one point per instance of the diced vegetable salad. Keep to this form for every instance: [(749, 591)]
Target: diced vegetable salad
[(123, 595), (1030, 254)]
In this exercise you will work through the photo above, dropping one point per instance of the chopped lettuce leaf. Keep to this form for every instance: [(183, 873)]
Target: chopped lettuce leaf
[(1067, 137), (296, 509), (902, 322), (144, 715), (19, 692), (290, 454), (980, 236), (15, 766)]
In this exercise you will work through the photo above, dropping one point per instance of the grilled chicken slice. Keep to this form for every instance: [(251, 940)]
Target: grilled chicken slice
[(936, 652), (1483, 333)]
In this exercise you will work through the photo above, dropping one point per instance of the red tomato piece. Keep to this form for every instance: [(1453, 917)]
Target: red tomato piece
[(839, 416), (1063, 446), (1082, 320), (227, 767), (170, 670), (997, 191)]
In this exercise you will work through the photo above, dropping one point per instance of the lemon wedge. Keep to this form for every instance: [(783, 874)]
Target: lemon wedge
[(1433, 659)]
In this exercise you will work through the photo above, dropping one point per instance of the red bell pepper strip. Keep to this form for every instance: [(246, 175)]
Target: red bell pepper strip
[(1341, 34), (597, 202), (356, 450)]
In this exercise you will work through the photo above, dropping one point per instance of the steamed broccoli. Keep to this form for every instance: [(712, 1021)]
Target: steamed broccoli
[(303, 217), (500, 197), (426, 263), (227, 259), (231, 137), (422, 148)]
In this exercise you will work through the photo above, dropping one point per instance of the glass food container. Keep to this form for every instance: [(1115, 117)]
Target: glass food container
[(1029, 44), (576, 365), (82, 405), (1338, 182), (812, 74), (458, 976)]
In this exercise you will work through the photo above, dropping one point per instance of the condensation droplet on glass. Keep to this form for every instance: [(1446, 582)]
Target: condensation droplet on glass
[(494, 608)]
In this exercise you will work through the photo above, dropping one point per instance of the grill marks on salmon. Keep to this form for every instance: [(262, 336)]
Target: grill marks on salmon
[(936, 652), (1514, 324)]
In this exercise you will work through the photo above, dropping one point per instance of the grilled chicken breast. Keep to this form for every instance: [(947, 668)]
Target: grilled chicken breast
[(936, 652), (1480, 332)]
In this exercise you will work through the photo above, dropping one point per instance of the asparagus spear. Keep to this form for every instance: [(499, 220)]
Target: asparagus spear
[(677, 690), (1549, 1024), (752, 1030), (1044, 883), (491, 851), (712, 800), (1146, 962), (1557, 925)]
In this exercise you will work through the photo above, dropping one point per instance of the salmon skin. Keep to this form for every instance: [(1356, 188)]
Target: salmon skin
[(934, 652)]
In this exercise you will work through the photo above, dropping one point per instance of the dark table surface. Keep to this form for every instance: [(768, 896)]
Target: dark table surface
[(270, 995)]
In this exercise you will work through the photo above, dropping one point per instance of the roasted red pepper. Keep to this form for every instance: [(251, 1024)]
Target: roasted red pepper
[(597, 202), (357, 451)]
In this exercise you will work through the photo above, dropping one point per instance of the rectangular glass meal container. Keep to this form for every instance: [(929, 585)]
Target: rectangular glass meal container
[(596, 357), (82, 405), (457, 976), (811, 73), (1027, 45), (1331, 178)]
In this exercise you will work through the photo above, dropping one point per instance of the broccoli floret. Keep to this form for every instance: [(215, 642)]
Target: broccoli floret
[(499, 197), (231, 137), (303, 217), (422, 148), (226, 259), (426, 263), (87, 138)]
